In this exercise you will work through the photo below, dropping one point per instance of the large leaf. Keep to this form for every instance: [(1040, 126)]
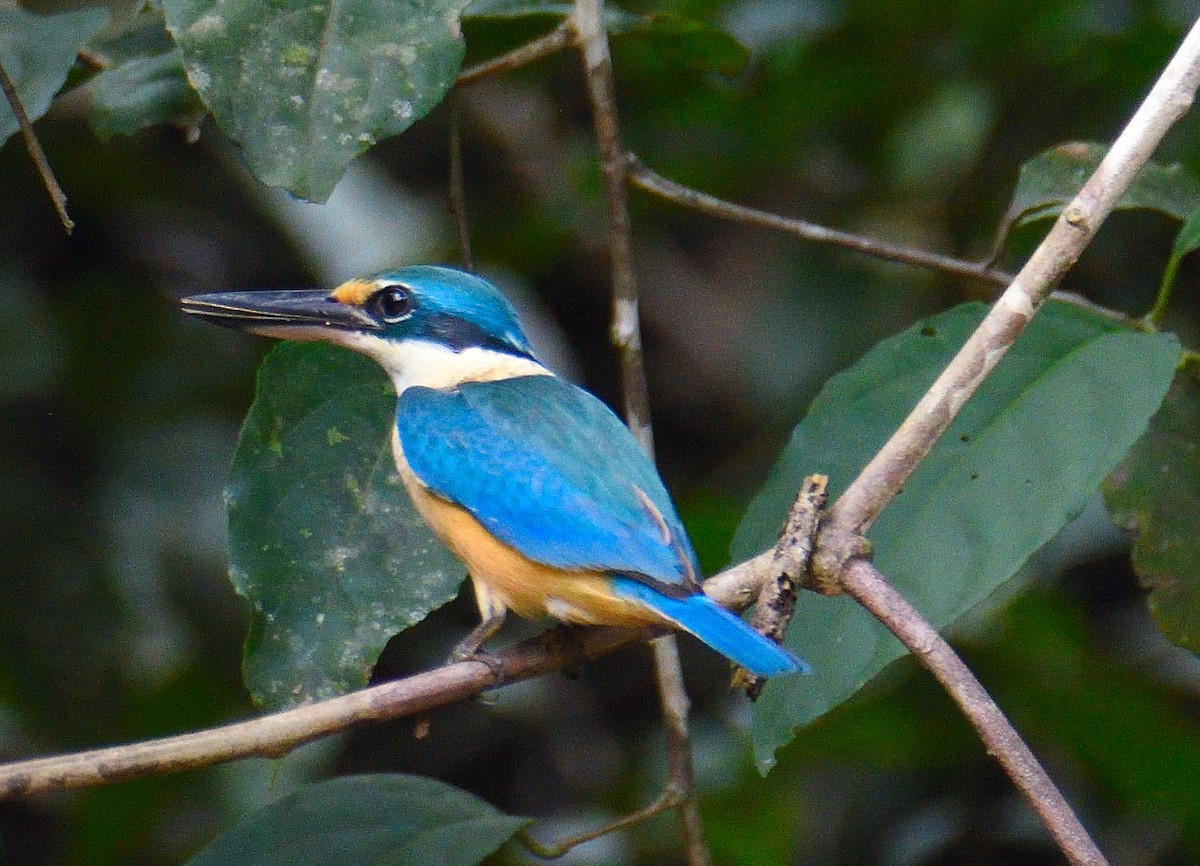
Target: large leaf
[(38, 51), (1017, 464), (1156, 492), (370, 820), (1052, 178), (305, 87), (323, 539)]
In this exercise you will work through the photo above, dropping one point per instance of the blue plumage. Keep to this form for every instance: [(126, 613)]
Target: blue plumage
[(549, 470), (588, 531), (723, 631)]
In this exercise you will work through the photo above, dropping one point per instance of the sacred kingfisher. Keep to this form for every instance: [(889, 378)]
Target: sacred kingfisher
[(533, 483)]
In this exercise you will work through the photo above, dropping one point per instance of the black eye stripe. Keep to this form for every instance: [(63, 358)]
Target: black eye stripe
[(391, 303)]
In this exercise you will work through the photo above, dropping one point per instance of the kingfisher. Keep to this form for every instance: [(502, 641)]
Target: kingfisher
[(532, 482)]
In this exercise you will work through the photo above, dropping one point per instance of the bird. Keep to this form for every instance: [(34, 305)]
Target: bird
[(532, 482)]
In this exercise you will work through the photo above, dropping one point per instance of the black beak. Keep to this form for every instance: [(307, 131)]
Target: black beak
[(264, 312)]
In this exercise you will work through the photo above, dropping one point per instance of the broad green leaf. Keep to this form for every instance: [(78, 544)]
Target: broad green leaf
[(306, 87), (1052, 178), (369, 820), (677, 40), (141, 92), (1156, 492), (37, 52), (1019, 462), (323, 539)]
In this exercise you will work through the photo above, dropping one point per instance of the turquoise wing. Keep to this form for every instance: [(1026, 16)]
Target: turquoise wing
[(551, 471)]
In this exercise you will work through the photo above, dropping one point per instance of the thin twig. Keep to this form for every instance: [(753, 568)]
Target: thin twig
[(681, 783), (626, 325), (556, 40), (868, 587), (883, 477), (457, 198), (776, 600), (648, 180), (57, 196), (588, 22)]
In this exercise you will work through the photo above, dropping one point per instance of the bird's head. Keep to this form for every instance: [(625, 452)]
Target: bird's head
[(424, 324)]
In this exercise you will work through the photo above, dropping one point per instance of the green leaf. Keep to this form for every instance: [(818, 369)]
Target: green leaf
[(305, 87), (369, 820), (1051, 179), (1156, 492), (1017, 464), (323, 539), (141, 92), (37, 52)]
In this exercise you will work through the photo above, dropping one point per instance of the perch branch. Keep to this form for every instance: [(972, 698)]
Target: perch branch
[(57, 196)]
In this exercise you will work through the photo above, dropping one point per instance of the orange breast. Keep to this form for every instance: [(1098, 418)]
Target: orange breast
[(506, 579)]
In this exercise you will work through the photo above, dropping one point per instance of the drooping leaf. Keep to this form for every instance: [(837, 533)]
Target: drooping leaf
[(305, 88), (144, 83), (1156, 492), (1018, 463), (1051, 179), (141, 92), (38, 51), (323, 539), (369, 820)]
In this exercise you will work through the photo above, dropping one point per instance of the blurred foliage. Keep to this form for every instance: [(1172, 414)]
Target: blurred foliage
[(119, 419)]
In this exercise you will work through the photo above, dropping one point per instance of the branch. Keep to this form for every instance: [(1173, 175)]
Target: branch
[(557, 39), (884, 476), (648, 180), (868, 587), (588, 23), (57, 196), (275, 735)]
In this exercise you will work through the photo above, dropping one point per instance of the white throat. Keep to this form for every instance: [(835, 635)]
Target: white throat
[(420, 362)]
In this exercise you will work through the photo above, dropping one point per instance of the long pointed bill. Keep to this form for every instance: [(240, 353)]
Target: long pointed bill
[(299, 314)]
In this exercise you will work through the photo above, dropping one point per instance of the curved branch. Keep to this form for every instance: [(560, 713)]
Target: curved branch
[(868, 587), (650, 181)]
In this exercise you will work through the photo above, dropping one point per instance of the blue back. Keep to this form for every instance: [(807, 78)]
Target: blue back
[(551, 471)]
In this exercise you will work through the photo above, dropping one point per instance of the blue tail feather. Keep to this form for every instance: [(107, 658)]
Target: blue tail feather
[(723, 631)]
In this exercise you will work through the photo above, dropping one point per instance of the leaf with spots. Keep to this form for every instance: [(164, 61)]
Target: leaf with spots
[(323, 539), (306, 87), (1156, 492), (1018, 463)]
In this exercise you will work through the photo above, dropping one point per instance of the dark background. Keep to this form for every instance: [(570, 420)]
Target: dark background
[(904, 120)]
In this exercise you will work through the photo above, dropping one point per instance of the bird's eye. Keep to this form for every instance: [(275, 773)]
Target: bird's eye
[(392, 304)]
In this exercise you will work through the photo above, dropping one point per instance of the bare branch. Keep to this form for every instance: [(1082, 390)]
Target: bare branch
[(57, 196), (626, 325), (883, 477), (868, 587), (648, 180), (588, 21), (557, 39)]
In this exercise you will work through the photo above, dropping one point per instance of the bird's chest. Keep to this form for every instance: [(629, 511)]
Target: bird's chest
[(510, 580)]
